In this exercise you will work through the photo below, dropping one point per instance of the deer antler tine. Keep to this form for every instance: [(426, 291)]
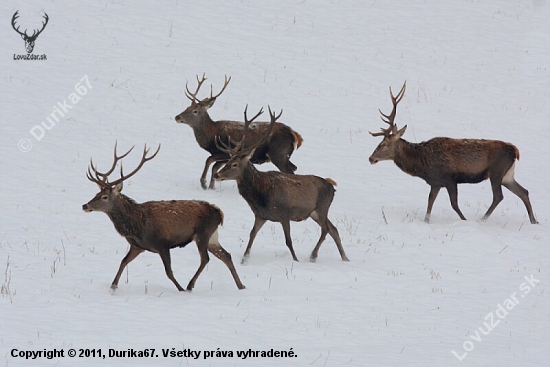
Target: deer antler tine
[(401, 92), (226, 82), (193, 96)]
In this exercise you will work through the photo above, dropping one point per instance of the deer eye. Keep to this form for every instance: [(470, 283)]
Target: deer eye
[(234, 165), (195, 112), (105, 197)]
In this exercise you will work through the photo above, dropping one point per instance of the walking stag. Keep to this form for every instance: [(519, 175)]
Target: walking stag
[(158, 226), (278, 196), (446, 162)]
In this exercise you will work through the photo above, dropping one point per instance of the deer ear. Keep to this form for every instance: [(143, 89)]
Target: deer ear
[(401, 132), (210, 103), (250, 154), (118, 188)]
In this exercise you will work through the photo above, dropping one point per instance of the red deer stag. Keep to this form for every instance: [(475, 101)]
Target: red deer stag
[(158, 226), (277, 149), (446, 162), (277, 196)]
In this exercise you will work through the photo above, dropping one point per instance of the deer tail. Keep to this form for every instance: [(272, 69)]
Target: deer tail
[(297, 139), (516, 150), (331, 181)]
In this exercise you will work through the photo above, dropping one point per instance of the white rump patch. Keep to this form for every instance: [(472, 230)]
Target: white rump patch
[(214, 238), (509, 176)]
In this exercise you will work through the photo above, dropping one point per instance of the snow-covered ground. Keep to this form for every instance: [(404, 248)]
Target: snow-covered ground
[(412, 293)]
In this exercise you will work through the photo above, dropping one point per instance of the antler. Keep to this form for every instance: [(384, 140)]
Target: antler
[(35, 33), (238, 146), (15, 16), (43, 26), (102, 178), (226, 82), (389, 119), (193, 96)]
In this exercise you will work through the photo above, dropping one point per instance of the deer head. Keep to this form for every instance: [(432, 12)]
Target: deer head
[(386, 149), (197, 111), (109, 191), (29, 40), (240, 155)]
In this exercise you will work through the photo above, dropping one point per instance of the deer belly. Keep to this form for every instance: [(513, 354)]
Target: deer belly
[(471, 177)]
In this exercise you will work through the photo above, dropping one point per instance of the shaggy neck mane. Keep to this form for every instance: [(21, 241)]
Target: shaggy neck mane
[(127, 216), (409, 157), (253, 186)]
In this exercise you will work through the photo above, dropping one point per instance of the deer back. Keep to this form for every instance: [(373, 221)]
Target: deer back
[(177, 222), (461, 160)]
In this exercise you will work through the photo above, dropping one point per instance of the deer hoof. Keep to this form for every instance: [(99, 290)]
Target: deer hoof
[(113, 289)]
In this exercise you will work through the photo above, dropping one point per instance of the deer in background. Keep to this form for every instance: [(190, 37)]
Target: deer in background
[(278, 148), (158, 226), (446, 162), (278, 196)]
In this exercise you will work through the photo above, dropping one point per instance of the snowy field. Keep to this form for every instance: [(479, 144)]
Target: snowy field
[(448, 293)]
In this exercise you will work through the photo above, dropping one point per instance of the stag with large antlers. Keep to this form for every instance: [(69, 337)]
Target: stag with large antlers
[(277, 148), (158, 226), (446, 162), (277, 196), (29, 40)]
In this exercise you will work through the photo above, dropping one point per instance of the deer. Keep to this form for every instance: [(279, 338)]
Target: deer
[(29, 40), (277, 149), (278, 196), (446, 162), (158, 226)]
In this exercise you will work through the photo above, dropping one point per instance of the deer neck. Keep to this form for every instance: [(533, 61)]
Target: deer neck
[(205, 132), (409, 157), (253, 186), (128, 217)]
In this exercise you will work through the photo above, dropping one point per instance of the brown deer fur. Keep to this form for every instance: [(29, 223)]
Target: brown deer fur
[(281, 197), (277, 149), (446, 162), (158, 226)]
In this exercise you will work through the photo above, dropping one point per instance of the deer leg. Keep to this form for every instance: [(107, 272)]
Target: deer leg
[(431, 198), (523, 194), (215, 169), (204, 260), (282, 162), (497, 196), (333, 231), (207, 164), (258, 223), (217, 250), (286, 229), (453, 196), (165, 256), (131, 255)]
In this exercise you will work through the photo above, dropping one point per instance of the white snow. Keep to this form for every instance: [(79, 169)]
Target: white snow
[(412, 292)]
